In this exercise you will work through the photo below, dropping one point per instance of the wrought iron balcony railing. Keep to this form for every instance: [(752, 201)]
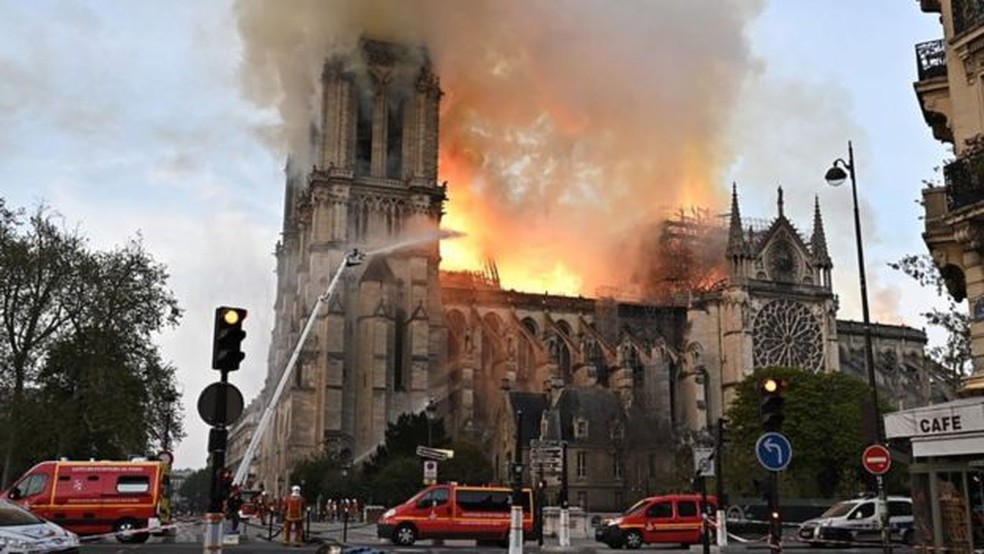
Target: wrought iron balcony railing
[(964, 180), (931, 59), (967, 14)]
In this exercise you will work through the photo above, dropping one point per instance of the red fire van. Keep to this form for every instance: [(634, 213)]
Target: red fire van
[(97, 497), (673, 518), (455, 512)]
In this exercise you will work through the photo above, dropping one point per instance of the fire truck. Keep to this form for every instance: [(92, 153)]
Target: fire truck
[(129, 499)]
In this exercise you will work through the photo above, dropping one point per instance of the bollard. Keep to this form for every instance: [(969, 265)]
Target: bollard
[(307, 527), (345, 527)]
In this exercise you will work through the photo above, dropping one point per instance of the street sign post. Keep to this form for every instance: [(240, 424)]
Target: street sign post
[(773, 451), (436, 454), (877, 460), (430, 472), (704, 461)]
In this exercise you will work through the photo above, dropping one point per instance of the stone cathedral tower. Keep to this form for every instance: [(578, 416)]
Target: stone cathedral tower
[(375, 351)]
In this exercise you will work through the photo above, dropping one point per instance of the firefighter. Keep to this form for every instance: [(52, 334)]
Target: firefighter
[(294, 517)]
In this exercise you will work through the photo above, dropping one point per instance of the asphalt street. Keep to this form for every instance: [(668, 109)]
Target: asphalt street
[(189, 539)]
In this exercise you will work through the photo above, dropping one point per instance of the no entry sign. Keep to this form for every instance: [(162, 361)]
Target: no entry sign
[(876, 459)]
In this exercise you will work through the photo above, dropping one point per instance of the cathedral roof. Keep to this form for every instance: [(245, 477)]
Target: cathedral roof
[(599, 406)]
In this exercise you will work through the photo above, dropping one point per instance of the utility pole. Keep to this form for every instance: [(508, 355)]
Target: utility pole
[(722, 529), (564, 533), (516, 521)]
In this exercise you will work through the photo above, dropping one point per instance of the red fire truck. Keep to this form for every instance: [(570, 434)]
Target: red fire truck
[(98, 497)]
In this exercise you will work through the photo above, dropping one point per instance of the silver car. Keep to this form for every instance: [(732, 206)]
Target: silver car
[(22, 532)]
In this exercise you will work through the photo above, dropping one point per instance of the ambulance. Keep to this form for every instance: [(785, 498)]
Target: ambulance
[(128, 499), (453, 511)]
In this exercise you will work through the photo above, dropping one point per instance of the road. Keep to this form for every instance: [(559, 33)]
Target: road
[(189, 539)]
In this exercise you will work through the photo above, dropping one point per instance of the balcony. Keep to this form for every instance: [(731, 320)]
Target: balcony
[(967, 15), (931, 59), (933, 88), (964, 180)]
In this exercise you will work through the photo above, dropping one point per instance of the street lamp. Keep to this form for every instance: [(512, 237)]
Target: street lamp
[(431, 412), (835, 177)]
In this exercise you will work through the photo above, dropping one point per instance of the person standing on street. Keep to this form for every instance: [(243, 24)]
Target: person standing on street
[(294, 517)]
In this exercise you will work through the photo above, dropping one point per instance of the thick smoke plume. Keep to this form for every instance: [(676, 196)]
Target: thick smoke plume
[(568, 128)]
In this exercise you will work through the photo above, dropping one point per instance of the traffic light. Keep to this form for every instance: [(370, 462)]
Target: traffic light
[(771, 404), (226, 345)]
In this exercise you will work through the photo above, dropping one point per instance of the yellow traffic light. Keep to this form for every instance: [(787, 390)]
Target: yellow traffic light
[(231, 317)]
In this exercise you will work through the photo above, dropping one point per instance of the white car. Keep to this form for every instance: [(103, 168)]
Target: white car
[(22, 532), (856, 520)]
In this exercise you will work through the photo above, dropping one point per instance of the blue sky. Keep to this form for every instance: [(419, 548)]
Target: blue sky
[(128, 117)]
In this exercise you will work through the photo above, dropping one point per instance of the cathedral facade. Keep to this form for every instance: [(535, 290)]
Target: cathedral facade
[(623, 382)]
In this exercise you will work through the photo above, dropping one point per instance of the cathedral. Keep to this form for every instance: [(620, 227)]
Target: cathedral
[(622, 381)]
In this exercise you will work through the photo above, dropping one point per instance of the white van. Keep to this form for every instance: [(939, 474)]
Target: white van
[(856, 520)]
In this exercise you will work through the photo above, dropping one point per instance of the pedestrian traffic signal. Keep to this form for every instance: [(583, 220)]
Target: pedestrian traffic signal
[(226, 344), (771, 404)]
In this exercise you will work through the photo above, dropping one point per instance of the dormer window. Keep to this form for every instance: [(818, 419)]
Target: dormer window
[(580, 428)]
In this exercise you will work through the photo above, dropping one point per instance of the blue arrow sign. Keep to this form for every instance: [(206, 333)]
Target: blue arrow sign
[(773, 451)]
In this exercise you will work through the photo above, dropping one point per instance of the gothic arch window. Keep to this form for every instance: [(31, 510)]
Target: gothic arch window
[(394, 133), (631, 360), (400, 350), (596, 358), (363, 131), (525, 355), (783, 261), (564, 358), (490, 336), (787, 334), (458, 334)]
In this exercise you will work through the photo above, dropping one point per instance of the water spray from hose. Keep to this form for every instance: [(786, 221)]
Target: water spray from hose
[(353, 258)]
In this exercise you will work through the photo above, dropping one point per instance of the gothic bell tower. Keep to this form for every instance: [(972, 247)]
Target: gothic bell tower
[(375, 350)]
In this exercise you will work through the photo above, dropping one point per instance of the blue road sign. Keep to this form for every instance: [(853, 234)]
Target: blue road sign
[(773, 451)]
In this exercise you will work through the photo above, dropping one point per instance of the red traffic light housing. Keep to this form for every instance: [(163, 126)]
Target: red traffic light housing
[(771, 404), (226, 343)]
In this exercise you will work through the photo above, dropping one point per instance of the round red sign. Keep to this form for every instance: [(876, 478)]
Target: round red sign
[(876, 459)]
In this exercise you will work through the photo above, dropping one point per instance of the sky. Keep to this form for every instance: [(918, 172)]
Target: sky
[(132, 119)]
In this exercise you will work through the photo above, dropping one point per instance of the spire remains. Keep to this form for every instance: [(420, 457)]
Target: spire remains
[(780, 202), (818, 242), (736, 239)]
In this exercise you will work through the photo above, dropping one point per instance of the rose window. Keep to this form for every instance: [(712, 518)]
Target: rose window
[(787, 334)]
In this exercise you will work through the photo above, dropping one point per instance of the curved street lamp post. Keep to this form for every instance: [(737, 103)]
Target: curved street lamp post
[(835, 177)]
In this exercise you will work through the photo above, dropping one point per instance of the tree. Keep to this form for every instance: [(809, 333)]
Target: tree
[(76, 338), (403, 438), (822, 422), (470, 465), (193, 495), (954, 355)]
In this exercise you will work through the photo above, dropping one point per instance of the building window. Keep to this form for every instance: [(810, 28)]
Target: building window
[(394, 137), (582, 464), (580, 428), (363, 133), (400, 350), (617, 466)]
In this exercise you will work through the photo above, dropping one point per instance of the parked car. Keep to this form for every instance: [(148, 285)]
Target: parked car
[(23, 532), (671, 518), (857, 520)]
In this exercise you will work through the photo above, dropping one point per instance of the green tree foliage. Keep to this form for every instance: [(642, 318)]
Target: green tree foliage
[(470, 465), (76, 329), (193, 494), (822, 422), (397, 481), (327, 476), (954, 355), (403, 438)]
